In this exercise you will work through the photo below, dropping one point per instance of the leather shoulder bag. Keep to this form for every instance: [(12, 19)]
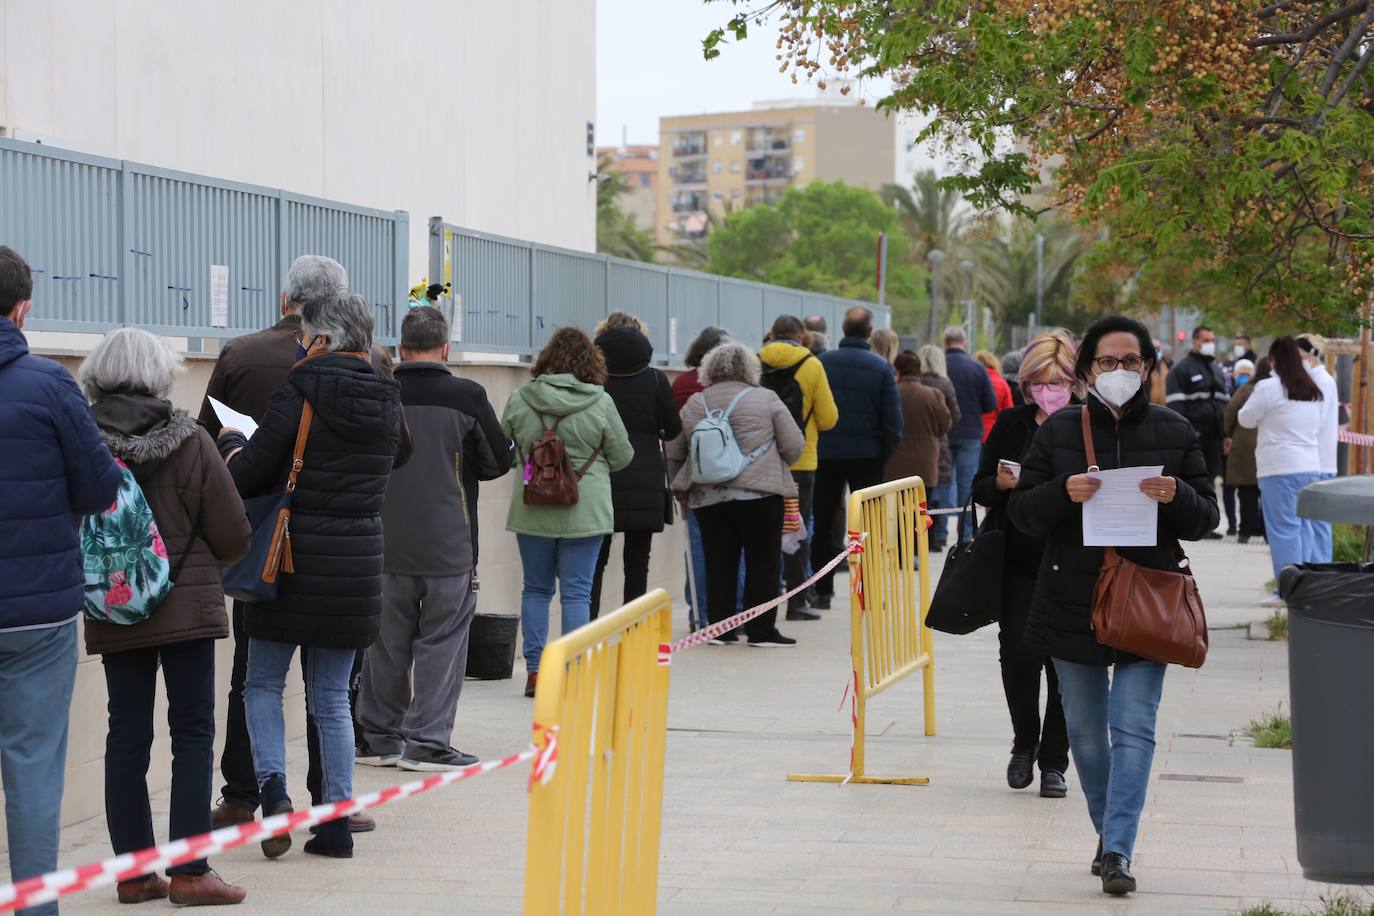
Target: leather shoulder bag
[(1153, 613), (256, 578), (969, 593)]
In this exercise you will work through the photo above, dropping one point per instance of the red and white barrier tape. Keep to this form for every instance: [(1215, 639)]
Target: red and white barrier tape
[(45, 888), (1350, 438), (853, 545)]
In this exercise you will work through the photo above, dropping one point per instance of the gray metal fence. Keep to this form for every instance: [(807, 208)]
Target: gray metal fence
[(508, 295), (116, 243)]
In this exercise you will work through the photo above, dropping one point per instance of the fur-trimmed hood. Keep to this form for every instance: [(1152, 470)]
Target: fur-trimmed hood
[(141, 429)]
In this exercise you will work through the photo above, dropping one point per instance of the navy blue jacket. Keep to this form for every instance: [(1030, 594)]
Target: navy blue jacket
[(53, 469), (865, 390), (973, 387)]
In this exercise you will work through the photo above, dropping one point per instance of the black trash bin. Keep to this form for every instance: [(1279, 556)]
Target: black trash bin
[(491, 646), (1331, 682)]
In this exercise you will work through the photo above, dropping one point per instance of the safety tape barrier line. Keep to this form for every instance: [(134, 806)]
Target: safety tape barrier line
[(1351, 438), (45, 888)]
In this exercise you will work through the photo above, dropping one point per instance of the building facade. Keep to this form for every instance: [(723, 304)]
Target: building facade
[(639, 165), (729, 160), (479, 112)]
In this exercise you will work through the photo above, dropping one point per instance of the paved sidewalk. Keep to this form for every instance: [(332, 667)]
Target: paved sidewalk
[(739, 839)]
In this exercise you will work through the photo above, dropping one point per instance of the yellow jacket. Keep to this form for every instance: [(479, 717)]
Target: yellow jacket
[(818, 402)]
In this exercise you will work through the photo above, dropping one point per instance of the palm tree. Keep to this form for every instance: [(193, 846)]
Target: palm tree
[(1005, 268), (693, 251), (934, 218)]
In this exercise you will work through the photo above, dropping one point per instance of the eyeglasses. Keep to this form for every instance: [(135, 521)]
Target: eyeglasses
[(1058, 384), (1131, 361)]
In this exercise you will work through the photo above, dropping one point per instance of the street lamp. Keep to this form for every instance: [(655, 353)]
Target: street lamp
[(970, 322), (934, 256)]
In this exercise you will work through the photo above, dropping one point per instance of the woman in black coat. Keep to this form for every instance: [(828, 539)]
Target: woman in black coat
[(1047, 383), (330, 605), (639, 492), (1111, 724)]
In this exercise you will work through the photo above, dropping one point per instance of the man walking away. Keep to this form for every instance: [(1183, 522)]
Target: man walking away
[(427, 597), (54, 468), (973, 387), (1196, 387), (854, 451), (798, 378)]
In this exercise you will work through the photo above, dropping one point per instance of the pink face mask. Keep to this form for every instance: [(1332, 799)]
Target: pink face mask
[(1050, 399)]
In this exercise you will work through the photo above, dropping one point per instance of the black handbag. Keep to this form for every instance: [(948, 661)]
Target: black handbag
[(256, 578), (969, 593)]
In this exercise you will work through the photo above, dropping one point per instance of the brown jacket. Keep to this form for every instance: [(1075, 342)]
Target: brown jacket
[(925, 419), (1240, 461), (198, 513)]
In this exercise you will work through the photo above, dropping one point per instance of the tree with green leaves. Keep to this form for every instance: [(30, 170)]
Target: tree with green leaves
[(822, 238), (1231, 139), (617, 232), (1005, 272)]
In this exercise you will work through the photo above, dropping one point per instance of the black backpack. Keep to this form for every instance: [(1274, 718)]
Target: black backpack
[(782, 381)]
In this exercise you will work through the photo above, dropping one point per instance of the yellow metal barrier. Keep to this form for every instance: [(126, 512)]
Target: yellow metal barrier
[(889, 639), (594, 827)]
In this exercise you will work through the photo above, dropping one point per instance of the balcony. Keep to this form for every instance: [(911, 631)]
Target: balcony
[(687, 201), (688, 146), (764, 171), (777, 146), (692, 174)]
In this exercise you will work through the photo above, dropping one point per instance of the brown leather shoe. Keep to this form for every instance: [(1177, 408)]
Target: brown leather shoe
[(226, 813), (154, 887), (531, 682), (362, 822), (204, 890)]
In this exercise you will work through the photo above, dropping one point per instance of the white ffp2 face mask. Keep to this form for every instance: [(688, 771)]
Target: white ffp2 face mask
[(1238, 350), (1208, 349), (1118, 386)]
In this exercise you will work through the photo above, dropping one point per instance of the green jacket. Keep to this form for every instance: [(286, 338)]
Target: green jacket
[(589, 420)]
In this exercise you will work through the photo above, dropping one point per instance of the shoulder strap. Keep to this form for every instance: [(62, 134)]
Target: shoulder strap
[(587, 466), (298, 454), (1088, 439), (731, 409)]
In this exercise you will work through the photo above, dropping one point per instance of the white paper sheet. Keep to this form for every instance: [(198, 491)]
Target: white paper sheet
[(219, 295), (1119, 514), (231, 418)]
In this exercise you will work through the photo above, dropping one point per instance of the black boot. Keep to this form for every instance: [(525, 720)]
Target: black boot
[(1021, 770), (275, 801), (333, 839), (1097, 860), (1116, 875)]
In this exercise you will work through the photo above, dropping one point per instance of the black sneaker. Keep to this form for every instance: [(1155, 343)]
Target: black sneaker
[(802, 613), (727, 639), (810, 596), (438, 761), (1117, 879), (369, 756), (1215, 535), (774, 641)]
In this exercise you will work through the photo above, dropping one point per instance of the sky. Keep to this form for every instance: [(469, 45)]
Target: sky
[(649, 65)]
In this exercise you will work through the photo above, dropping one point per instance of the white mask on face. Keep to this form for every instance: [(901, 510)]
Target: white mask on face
[(1118, 386), (1208, 349), (1238, 350)]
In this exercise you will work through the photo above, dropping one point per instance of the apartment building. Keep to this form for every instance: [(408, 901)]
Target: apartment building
[(639, 165), (728, 160)]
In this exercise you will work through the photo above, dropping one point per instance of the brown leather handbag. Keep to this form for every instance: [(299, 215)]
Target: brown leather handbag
[(1156, 614)]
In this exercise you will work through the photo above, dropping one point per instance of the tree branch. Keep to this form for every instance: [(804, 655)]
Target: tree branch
[(1316, 28)]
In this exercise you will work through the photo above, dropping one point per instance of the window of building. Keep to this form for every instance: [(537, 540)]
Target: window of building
[(672, 171), (798, 164), (717, 167), (735, 137), (799, 134), (735, 167), (719, 139), (734, 195), (646, 180), (718, 196)]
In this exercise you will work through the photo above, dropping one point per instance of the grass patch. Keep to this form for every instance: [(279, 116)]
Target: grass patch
[(1347, 543), (1271, 586), (1341, 905), (1278, 625), (1273, 729)]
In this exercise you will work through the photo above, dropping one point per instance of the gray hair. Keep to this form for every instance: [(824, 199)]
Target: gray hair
[(130, 361), (933, 360), (729, 362), (314, 278), (346, 319), (885, 343), (954, 334)]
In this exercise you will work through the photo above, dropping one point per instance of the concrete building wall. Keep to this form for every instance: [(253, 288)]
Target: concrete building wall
[(471, 110), (500, 573)]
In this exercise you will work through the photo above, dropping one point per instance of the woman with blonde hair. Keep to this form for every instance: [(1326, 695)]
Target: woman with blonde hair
[(1047, 383), (885, 343), (934, 375)]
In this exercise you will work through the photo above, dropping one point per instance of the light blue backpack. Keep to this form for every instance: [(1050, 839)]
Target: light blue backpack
[(714, 454)]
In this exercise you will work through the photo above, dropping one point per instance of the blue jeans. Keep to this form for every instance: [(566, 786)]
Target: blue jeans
[(327, 673), (1290, 537), (37, 672), (696, 571), (965, 454), (1317, 536), (569, 564), (940, 496), (1112, 736)]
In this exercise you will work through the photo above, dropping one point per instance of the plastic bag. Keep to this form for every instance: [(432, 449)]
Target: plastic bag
[(1340, 593)]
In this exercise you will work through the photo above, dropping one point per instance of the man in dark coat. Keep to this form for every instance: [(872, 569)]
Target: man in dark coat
[(1197, 388), (53, 468), (854, 451), (643, 397)]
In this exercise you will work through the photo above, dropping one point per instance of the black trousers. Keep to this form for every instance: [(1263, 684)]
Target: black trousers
[(1021, 684), (755, 527), (636, 560), (831, 479), (188, 670), (236, 762), (794, 564), (1251, 515)]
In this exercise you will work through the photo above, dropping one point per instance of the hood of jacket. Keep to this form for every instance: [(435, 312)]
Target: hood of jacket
[(783, 353), (141, 429), (628, 352), (560, 394), (349, 396), (13, 344)]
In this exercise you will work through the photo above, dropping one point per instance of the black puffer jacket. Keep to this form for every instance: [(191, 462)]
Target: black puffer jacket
[(644, 398), (333, 600), (1061, 611)]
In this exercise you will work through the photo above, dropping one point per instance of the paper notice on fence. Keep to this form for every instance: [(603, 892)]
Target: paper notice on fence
[(232, 419), (1119, 514), (219, 295)]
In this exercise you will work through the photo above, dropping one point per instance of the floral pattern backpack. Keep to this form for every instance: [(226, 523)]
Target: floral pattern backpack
[(126, 566)]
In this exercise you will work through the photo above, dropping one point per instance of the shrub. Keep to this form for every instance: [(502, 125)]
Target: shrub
[(1272, 729)]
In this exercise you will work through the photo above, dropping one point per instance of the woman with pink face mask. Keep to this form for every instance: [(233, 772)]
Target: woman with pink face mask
[(1047, 383)]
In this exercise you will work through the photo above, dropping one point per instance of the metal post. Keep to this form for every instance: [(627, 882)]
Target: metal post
[(882, 268), (935, 256)]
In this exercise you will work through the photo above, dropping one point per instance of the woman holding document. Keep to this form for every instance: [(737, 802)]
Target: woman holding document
[(1110, 697)]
